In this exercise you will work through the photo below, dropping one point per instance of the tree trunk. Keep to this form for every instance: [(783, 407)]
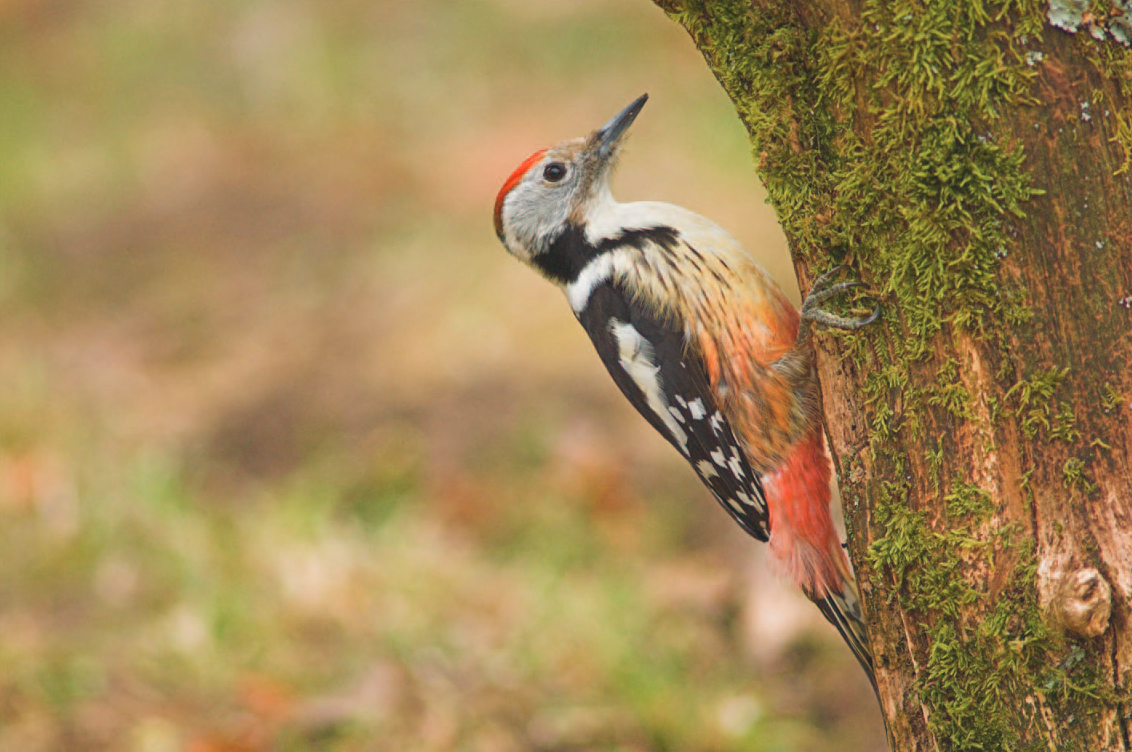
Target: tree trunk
[(972, 161)]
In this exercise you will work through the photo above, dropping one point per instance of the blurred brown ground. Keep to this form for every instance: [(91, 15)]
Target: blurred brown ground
[(293, 456)]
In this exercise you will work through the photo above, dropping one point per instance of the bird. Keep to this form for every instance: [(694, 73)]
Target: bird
[(703, 343)]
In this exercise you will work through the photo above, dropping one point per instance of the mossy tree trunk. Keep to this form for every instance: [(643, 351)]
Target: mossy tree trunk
[(970, 159)]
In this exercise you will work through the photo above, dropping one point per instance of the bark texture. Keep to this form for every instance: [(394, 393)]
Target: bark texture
[(971, 161)]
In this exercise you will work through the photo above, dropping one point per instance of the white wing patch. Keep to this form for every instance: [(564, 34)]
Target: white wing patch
[(636, 357), (707, 470), (736, 466)]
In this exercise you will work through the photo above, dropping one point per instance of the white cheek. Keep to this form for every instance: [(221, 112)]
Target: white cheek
[(533, 216)]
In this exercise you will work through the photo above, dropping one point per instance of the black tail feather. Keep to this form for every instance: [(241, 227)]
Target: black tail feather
[(843, 611)]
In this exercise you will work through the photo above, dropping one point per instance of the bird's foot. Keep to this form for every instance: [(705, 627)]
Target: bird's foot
[(822, 291)]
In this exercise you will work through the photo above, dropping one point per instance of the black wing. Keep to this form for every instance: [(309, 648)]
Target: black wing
[(667, 382)]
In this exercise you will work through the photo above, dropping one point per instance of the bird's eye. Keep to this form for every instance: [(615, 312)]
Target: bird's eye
[(554, 172)]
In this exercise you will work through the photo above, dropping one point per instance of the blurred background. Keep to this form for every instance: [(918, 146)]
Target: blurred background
[(294, 456)]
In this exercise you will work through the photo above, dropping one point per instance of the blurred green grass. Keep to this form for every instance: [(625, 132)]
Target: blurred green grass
[(293, 456)]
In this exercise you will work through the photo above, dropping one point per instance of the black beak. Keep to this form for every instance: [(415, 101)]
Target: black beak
[(609, 135)]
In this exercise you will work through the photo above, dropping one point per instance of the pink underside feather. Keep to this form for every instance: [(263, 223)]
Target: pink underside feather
[(803, 542)]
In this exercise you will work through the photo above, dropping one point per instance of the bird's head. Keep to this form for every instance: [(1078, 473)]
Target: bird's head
[(557, 187)]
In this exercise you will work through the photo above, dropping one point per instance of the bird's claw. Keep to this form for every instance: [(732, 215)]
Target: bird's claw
[(822, 291)]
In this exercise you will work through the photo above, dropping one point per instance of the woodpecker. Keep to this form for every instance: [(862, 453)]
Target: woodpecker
[(703, 343)]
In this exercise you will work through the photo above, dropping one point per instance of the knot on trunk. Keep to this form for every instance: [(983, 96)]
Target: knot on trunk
[(1082, 604)]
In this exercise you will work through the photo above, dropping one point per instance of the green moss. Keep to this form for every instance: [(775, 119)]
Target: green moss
[(925, 566), (934, 460), (968, 500), (1064, 421), (1033, 398), (1111, 399), (950, 393), (935, 182), (971, 674), (926, 575), (1074, 477), (1024, 486), (1100, 444), (974, 673)]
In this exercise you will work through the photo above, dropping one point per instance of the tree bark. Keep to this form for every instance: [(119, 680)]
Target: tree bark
[(972, 161)]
